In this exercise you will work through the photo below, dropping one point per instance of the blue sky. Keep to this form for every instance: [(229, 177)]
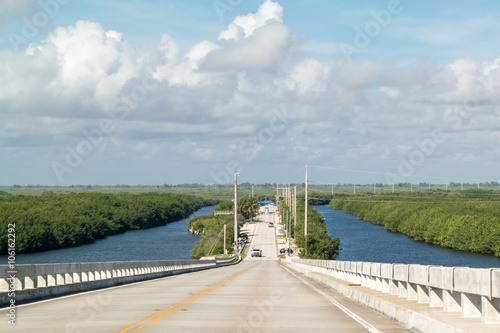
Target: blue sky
[(188, 91)]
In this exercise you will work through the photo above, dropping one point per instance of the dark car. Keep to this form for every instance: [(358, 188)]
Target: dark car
[(283, 250)]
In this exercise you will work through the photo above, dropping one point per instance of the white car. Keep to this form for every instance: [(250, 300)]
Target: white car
[(256, 253)]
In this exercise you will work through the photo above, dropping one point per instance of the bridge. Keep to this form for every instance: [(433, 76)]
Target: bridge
[(265, 294)]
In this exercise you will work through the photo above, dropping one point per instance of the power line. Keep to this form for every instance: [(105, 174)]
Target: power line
[(385, 173)]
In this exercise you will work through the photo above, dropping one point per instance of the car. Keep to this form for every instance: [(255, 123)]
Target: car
[(270, 225), (256, 253), (282, 251)]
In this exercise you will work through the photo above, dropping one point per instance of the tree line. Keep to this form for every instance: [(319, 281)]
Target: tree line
[(466, 221), (64, 220)]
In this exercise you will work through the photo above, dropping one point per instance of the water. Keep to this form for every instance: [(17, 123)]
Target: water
[(172, 241), (362, 241)]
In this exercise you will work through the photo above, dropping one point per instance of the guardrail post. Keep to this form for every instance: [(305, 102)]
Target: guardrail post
[(436, 298), (29, 282), (60, 279), (393, 287), (490, 310), (19, 283), (452, 302), (471, 305), (412, 292), (423, 294), (4, 285), (41, 281), (403, 289), (51, 280)]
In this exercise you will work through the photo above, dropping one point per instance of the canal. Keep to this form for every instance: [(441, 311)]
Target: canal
[(363, 241), (168, 242)]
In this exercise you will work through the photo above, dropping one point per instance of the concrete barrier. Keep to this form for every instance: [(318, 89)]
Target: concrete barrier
[(475, 293), (25, 283)]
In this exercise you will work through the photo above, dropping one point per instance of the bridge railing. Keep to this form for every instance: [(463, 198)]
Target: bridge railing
[(475, 293), (29, 282)]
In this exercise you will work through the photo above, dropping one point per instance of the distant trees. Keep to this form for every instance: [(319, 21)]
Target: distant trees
[(53, 221), (466, 221)]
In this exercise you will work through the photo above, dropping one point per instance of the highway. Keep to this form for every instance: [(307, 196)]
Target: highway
[(258, 295)]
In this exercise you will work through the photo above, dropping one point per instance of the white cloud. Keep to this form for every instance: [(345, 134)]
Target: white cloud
[(245, 26), (263, 49), (221, 95), (310, 76)]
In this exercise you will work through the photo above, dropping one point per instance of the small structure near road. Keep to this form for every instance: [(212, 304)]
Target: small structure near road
[(221, 212)]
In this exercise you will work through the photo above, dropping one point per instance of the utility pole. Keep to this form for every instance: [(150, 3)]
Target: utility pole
[(429, 186), (289, 227), (354, 188), (235, 212), (392, 187), (374, 189), (295, 206), (225, 252), (411, 187), (305, 221), (462, 188), (252, 191), (289, 197), (446, 186)]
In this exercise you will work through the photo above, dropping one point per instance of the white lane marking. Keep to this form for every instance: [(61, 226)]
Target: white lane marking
[(351, 314)]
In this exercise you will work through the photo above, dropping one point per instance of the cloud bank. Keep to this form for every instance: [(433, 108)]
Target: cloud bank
[(171, 117)]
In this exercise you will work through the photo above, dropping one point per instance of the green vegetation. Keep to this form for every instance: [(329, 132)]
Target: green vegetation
[(319, 243), (468, 220), (54, 221), (211, 231)]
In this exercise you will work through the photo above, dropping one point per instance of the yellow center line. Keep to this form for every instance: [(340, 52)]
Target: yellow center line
[(150, 320)]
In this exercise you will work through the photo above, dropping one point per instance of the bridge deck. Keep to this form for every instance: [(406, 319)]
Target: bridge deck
[(257, 295)]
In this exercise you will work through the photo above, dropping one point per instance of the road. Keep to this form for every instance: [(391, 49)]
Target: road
[(258, 295)]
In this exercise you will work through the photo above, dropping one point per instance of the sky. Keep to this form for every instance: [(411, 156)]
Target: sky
[(108, 92)]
